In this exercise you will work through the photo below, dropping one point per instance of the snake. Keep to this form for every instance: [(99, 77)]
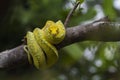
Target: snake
[(40, 43)]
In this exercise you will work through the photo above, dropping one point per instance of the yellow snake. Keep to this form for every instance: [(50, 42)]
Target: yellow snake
[(40, 44)]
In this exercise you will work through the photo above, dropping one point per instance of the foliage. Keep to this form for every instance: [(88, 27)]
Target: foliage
[(80, 61)]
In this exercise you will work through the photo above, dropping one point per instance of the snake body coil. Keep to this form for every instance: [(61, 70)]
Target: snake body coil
[(40, 44)]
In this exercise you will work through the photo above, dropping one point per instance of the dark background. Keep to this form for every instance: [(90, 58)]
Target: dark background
[(81, 61)]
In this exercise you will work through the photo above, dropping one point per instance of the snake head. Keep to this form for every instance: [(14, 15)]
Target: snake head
[(54, 32)]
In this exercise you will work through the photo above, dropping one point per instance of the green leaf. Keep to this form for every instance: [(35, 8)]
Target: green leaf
[(74, 51), (108, 9), (81, 1)]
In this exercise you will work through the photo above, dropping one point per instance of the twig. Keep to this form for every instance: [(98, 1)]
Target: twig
[(70, 14)]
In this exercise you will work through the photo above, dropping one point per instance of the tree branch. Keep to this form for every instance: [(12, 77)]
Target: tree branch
[(100, 30), (70, 14)]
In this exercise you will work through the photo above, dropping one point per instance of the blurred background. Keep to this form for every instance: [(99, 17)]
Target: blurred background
[(88, 60)]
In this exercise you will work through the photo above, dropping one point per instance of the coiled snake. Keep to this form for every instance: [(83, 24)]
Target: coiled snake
[(40, 44)]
